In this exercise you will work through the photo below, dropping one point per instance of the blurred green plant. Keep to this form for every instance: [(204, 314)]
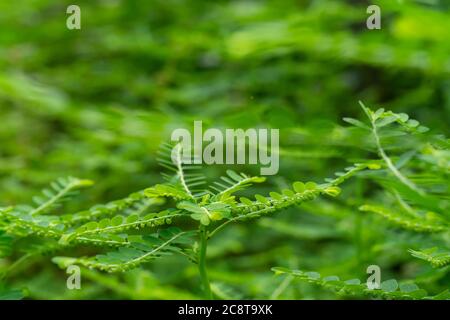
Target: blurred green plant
[(98, 102), (214, 208)]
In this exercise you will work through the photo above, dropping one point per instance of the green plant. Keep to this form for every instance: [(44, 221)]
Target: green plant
[(389, 289), (416, 209), (138, 237), (102, 226), (98, 103)]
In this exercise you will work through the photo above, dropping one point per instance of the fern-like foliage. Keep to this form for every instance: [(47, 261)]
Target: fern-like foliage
[(141, 249), (389, 289), (134, 203), (300, 192), (233, 183), (129, 232), (120, 223), (24, 224), (52, 197), (205, 205), (183, 173), (380, 119), (418, 224), (437, 258)]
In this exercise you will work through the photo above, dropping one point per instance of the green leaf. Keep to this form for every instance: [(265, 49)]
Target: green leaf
[(204, 220), (385, 121), (310, 185), (246, 201), (389, 285), (378, 113), (234, 175), (288, 193), (117, 221), (261, 199), (357, 123), (408, 287), (412, 123), (403, 117), (190, 206), (299, 187), (333, 191), (275, 195)]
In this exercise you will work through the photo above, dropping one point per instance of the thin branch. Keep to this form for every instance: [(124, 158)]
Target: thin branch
[(389, 162)]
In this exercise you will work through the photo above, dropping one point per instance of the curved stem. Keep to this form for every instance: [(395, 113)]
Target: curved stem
[(220, 227), (389, 163), (202, 263)]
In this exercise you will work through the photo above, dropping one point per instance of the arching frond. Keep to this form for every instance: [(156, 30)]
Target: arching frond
[(183, 171), (232, 183), (389, 289), (351, 171), (246, 208), (58, 192), (407, 221), (23, 224), (112, 208), (148, 248), (437, 258), (120, 224), (379, 119)]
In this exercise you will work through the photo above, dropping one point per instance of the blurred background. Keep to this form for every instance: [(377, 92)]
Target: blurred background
[(97, 103)]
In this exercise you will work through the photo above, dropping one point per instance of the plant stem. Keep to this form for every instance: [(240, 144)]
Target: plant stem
[(389, 163), (202, 263), (280, 289), (220, 227)]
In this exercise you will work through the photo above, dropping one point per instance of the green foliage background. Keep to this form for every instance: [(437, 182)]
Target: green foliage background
[(98, 102)]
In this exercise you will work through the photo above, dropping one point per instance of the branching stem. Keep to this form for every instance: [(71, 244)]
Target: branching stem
[(389, 163)]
